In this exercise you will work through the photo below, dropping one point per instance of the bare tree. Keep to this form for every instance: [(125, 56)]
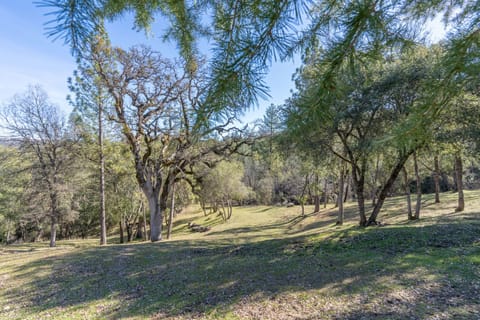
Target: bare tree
[(42, 133), (159, 106)]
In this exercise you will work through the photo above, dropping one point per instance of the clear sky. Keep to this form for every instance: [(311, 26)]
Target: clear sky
[(28, 57)]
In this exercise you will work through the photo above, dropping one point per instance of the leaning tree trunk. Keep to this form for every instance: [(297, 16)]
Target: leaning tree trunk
[(372, 220), (347, 186), (418, 204), (230, 208), (459, 175), (172, 209), (407, 193), (436, 178)]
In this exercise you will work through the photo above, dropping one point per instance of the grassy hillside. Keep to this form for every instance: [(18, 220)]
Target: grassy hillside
[(266, 263)]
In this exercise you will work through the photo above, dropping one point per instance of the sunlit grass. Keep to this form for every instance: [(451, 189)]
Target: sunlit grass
[(265, 263)]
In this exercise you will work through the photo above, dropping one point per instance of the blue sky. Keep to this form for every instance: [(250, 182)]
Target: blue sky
[(28, 57)]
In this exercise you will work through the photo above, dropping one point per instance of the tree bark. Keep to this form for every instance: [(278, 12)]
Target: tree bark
[(359, 183), (122, 240), (129, 228), (145, 238), (156, 217), (302, 196), (203, 205), (341, 185), (316, 197), (436, 178), (103, 226), (53, 231), (172, 209), (374, 191), (459, 175), (407, 193), (325, 195), (230, 209), (347, 186), (53, 222), (418, 204), (223, 210), (372, 220)]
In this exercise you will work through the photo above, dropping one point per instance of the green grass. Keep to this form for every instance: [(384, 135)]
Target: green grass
[(265, 263)]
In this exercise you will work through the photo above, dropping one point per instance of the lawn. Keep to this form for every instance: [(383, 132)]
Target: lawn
[(265, 263)]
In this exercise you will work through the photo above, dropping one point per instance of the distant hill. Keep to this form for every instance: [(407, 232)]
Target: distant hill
[(6, 141)]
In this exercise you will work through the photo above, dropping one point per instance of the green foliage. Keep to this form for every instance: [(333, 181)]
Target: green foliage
[(14, 177), (222, 184), (247, 36)]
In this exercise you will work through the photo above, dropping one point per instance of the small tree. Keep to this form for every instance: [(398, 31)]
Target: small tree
[(222, 185)]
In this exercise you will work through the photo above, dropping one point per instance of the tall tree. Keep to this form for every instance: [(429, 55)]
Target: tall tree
[(90, 101), (160, 108), (42, 132)]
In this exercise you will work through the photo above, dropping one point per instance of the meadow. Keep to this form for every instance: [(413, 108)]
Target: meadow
[(265, 263)]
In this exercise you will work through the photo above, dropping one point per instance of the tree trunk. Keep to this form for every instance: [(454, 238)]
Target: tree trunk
[(203, 205), (129, 228), (145, 238), (325, 194), (347, 186), (375, 189), (122, 240), (53, 231), (436, 178), (156, 217), (359, 183), (38, 237), (316, 201), (53, 222), (418, 204), (316, 196), (372, 220), (302, 196), (341, 186), (103, 226), (140, 234), (407, 193), (223, 211), (459, 175), (172, 209)]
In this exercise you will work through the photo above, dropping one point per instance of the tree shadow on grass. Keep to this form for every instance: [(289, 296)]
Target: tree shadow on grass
[(267, 229), (196, 278)]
